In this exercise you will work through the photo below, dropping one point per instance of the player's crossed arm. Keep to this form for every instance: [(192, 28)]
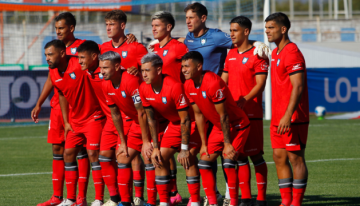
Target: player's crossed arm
[(185, 124), (201, 125), (118, 123)]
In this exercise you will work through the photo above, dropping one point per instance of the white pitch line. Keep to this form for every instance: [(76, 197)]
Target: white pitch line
[(15, 138), (22, 174)]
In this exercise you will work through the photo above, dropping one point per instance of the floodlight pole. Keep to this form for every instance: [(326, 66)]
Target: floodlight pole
[(268, 80)]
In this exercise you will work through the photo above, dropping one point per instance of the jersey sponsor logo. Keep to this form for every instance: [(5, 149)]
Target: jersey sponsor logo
[(72, 75), (73, 50), (164, 100), (124, 54), (150, 99), (296, 67), (272, 60), (111, 93), (219, 94), (165, 52), (182, 100), (203, 94), (58, 80), (265, 66), (101, 76), (203, 41), (193, 93), (191, 41), (245, 59), (278, 62), (227, 35), (232, 59), (123, 94)]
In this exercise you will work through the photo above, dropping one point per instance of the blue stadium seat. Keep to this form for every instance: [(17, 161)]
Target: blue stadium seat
[(308, 35), (347, 34), (257, 34)]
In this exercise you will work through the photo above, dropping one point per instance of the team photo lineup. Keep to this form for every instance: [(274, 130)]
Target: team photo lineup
[(123, 111)]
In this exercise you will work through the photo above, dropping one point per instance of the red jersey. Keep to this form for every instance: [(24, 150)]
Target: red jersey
[(125, 96), (213, 90), (171, 54), (168, 101), (71, 50), (288, 62), (131, 54), (76, 87), (242, 69)]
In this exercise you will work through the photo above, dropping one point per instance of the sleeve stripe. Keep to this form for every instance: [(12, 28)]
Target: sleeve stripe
[(225, 71), (113, 105), (259, 73), (220, 101), (299, 71), (192, 103), (147, 106), (184, 109)]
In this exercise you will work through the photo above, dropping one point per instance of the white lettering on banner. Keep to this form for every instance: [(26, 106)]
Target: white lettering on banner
[(338, 97), (4, 94), (34, 91)]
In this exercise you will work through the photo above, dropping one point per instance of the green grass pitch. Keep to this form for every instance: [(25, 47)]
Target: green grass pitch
[(333, 155)]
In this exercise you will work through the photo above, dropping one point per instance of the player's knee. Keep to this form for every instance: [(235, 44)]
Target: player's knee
[(93, 154), (58, 149), (296, 161), (256, 157)]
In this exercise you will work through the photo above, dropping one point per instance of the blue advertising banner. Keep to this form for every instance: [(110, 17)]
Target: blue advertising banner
[(19, 92), (337, 89)]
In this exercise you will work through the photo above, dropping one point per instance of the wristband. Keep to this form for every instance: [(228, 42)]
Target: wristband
[(184, 147)]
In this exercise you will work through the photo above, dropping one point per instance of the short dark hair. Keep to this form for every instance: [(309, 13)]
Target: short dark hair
[(68, 17), (280, 18), (193, 55), (89, 46), (243, 21), (58, 44), (165, 17), (198, 8), (116, 15)]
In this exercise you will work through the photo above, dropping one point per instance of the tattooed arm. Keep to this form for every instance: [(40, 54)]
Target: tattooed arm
[(152, 122), (116, 117), (184, 154)]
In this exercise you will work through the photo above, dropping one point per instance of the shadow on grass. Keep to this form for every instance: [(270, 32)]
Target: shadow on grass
[(318, 200)]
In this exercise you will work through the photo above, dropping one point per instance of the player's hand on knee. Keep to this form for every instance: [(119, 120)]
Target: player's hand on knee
[(67, 128), (284, 125), (35, 114), (147, 150), (156, 157), (229, 152), (184, 158), (204, 151), (122, 150)]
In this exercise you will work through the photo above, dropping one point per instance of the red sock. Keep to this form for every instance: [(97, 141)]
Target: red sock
[(244, 179), (150, 184), (173, 185), (163, 188), (58, 175), (125, 181), (98, 180), (109, 175), (194, 188), (285, 186), (208, 181), (299, 187), (261, 178), (232, 180), (84, 173), (139, 183), (71, 177)]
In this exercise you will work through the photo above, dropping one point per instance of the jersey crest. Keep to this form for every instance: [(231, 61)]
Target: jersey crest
[(124, 54), (164, 100), (72, 75), (203, 41), (73, 50), (165, 52), (203, 94), (278, 62), (245, 59), (101, 76), (123, 94)]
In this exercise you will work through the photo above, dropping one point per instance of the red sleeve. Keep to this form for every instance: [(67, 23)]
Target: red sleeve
[(294, 61), (108, 98), (181, 50), (142, 97), (188, 93), (179, 97), (261, 66), (216, 91), (141, 51)]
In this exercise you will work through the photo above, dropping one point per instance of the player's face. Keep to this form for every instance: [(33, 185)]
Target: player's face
[(107, 69), (87, 60), (150, 73), (160, 29), (238, 34), (53, 56), (114, 28), (189, 68), (193, 21), (63, 31), (274, 31)]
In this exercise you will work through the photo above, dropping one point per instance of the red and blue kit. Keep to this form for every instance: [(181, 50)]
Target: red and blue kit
[(125, 97), (168, 102), (288, 62), (171, 54), (213, 90), (87, 119), (242, 69)]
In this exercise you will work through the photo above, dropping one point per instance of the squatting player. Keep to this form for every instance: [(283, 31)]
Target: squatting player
[(65, 26), (122, 94), (163, 94), (87, 118), (211, 99), (245, 74), (290, 110)]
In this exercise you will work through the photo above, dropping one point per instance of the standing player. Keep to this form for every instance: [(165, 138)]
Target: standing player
[(211, 99), (245, 74), (65, 26), (164, 95), (290, 110), (86, 117), (131, 54), (122, 94)]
